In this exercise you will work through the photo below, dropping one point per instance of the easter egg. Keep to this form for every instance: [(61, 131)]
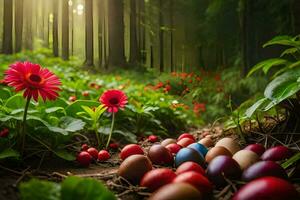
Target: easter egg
[(199, 148), (184, 142), (188, 154), (134, 168), (131, 149), (160, 155), (277, 153), (173, 148), (168, 141), (156, 178), (256, 148), (229, 144), (245, 158), (186, 135), (190, 166), (208, 142), (216, 151)]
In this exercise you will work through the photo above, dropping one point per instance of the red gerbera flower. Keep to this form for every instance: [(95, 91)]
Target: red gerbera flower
[(34, 80), (113, 100)]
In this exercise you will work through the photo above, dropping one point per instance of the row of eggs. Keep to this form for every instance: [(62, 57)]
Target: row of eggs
[(193, 157)]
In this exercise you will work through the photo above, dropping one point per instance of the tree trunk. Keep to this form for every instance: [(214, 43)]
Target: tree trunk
[(7, 46), (28, 35), (100, 30), (116, 32), (55, 28), (134, 53), (161, 37), (65, 30), (171, 34), (18, 25), (142, 33), (89, 36)]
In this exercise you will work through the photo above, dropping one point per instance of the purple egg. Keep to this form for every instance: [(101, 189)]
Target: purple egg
[(271, 188), (256, 148), (222, 166), (277, 153), (264, 168)]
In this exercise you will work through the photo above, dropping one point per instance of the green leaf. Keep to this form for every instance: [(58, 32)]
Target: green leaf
[(53, 109), (65, 155), (72, 125), (4, 93), (266, 65), (283, 86), (40, 190), (290, 51), (291, 161), (15, 102), (76, 106), (9, 153), (249, 112), (84, 189), (283, 40)]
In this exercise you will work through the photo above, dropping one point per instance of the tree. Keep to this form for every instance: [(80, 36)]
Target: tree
[(161, 37), (55, 28), (28, 25), (7, 46), (89, 36), (65, 30), (134, 53), (171, 34), (116, 32), (18, 25)]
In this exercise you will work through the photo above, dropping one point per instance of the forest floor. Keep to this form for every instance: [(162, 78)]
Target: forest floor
[(55, 170)]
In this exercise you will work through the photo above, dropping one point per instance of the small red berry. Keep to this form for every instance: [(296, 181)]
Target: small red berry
[(131, 149), (84, 158), (152, 138), (114, 145), (103, 155), (4, 132), (93, 152), (84, 147), (85, 93), (72, 98)]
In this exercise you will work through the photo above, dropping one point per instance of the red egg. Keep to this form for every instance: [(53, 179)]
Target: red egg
[(264, 168), (195, 179), (184, 142), (277, 153), (156, 178), (190, 166), (256, 148), (186, 135), (168, 141), (160, 155), (152, 138), (220, 167), (131, 149), (173, 148), (271, 188), (84, 158), (93, 152)]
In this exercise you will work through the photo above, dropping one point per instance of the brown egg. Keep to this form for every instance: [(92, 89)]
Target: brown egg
[(208, 142), (229, 144), (216, 151), (168, 141), (177, 191), (245, 158), (134, 168), (160, 155)]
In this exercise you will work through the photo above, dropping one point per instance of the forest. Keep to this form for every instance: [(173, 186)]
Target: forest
[(149, 99)]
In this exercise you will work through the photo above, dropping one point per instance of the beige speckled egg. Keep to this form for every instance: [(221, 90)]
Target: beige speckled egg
[(207, 142), (245, 158), (229, 144)]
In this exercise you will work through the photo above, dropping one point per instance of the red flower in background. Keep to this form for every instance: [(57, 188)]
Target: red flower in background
[(4, 133), (217, 77), (199, 107), (159, 85), (113, 100), (34, 80), (167, 88)]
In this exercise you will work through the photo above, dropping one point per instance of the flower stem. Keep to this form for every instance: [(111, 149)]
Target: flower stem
[(111, 129), (23, 133)]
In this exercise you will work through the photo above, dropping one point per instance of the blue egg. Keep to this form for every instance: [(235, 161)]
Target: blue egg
[(188, 154), (199, 148)]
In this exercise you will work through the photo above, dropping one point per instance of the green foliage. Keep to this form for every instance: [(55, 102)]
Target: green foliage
[(71, 188)]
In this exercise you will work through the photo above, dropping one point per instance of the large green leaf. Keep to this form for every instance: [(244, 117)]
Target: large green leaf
[(266, 65), (84, 189), (9, 153), (249, 112), (4, 93), (65, 155), (284, 40), (40, 190), (283, 86), (76, 107)]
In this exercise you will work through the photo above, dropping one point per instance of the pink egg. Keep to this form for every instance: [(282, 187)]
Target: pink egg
[(184, 142), (256, 148), (277, 153), (173, 148), (156, 178), (186, 135)]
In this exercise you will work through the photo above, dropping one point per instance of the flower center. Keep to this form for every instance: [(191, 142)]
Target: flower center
[(35, 78), (114, 101)]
